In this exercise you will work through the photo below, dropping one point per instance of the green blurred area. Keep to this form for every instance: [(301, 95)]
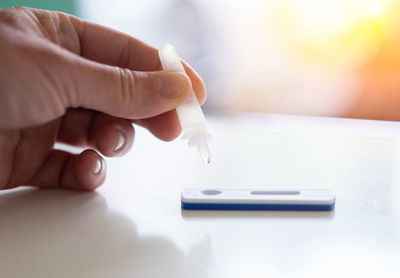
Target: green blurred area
[(54, 5)]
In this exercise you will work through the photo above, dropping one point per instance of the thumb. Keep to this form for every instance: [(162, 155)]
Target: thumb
[(125, 93)]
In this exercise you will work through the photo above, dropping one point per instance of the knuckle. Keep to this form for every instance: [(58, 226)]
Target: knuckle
[(127, 83), (10, 16)]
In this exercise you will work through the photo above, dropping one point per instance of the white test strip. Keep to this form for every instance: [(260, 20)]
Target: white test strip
[(257, 199)]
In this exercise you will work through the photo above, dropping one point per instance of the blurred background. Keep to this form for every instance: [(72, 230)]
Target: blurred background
[(315, 57)]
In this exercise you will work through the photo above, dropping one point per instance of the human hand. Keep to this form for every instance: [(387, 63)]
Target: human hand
[(66, 80)]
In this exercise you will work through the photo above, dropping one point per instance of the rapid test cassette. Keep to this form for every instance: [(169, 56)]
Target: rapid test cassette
[(257, 199)]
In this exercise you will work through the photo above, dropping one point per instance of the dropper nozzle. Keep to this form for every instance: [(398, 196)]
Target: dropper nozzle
[(204, 152)]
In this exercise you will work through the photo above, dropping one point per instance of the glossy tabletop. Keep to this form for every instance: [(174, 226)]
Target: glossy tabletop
[(133, 226)]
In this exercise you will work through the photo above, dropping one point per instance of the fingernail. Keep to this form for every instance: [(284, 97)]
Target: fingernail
[(171, 85), (121, 141), (97, 167)]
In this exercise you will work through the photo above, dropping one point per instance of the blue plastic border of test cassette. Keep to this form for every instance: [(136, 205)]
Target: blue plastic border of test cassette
[(284, 207)]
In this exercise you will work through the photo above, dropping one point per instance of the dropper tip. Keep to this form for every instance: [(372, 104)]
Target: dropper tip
[(204, 153), (206, 160)]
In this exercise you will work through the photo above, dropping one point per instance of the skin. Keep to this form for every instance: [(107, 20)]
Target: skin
[(66, 80)]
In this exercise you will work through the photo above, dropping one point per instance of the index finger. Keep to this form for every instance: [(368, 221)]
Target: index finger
[(104, 45)]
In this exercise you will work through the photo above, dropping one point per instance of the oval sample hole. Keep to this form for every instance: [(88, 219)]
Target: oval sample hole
[(211, 192), (266, 192)]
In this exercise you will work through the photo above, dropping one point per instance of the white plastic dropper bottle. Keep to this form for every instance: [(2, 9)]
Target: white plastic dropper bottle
[(190, 115)]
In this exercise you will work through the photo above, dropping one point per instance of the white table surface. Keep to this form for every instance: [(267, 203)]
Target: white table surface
[(133, 225)]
